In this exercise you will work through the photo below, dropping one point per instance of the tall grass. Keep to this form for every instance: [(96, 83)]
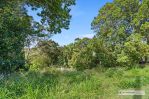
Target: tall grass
[(88, 84)]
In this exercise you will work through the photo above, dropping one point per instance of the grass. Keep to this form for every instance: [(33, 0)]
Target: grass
[(98, 83)]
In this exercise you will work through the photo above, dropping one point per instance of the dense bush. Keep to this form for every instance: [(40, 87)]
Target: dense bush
[(45, 54), (134, 50)]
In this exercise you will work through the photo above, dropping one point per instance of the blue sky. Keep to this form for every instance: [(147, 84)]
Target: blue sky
[(80, 26)]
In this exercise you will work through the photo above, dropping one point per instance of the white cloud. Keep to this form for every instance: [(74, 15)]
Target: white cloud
[(89, 35)]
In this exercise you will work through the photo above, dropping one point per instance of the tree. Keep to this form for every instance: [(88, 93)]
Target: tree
[(135, 48), (67, 54), (80, 57), (118, 21), (45, 54), (16, 26)]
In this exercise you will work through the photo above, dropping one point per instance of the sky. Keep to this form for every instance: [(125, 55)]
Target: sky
[(83, 14)]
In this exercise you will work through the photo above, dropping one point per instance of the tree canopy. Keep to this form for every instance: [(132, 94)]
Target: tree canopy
[(16, 26), (124, 25)]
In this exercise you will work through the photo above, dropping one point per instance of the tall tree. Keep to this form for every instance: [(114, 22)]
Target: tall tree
[(16, 26), (118, 20)]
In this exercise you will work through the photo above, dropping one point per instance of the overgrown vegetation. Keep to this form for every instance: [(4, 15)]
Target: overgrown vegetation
[(100, 83), (97, 67)]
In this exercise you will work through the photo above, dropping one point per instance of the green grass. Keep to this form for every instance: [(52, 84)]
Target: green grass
[(98, 83)]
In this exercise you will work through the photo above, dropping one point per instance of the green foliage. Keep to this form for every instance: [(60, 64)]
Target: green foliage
[(14, 30), (134, 50), (80, 57), (88, 53), (45, 54), (123, 25), (121, 40), (53, 18), (17, 28)]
